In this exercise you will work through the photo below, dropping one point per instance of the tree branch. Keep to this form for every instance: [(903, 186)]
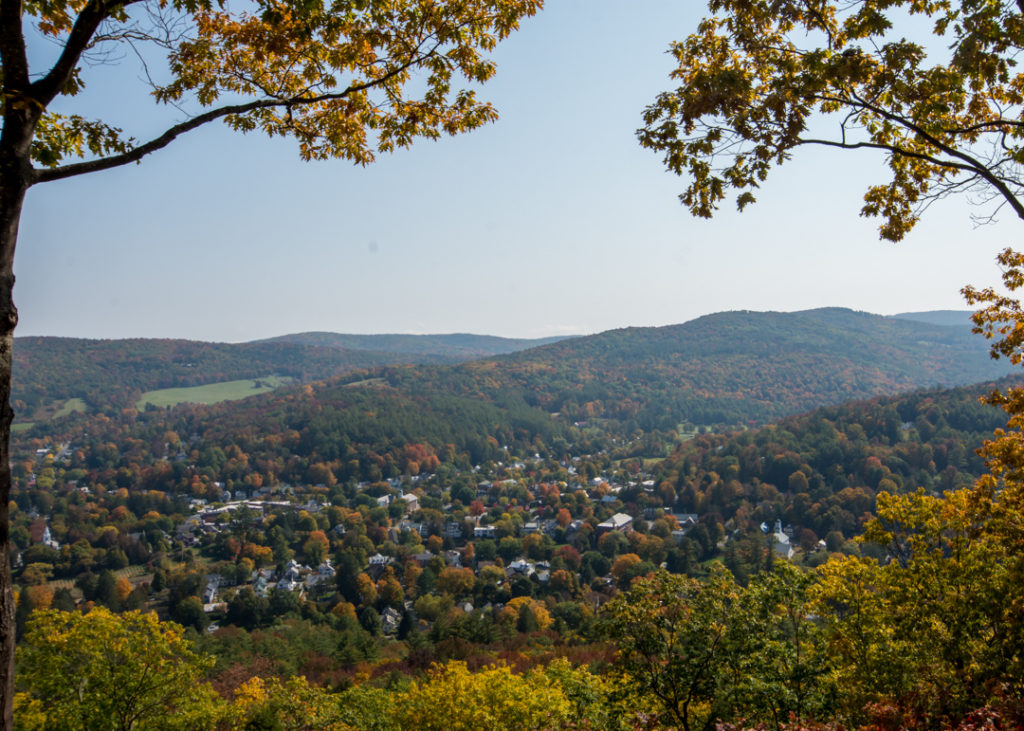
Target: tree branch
[(893, 149), (997, 124), (158, 143), (79, 39), (973, 164)]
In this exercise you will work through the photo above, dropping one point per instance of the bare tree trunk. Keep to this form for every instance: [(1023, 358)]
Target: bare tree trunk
[(8, 320), (15, 172)]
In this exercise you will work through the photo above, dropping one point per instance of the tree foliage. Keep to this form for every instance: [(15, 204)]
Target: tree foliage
[(452, 697), (105, 671), (336, 77), (713, 651), (944, 109), (673, 639)]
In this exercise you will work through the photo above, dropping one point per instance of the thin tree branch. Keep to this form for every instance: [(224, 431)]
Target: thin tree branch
[(79, 39), (158, 143), (997, 124), (893, 149)]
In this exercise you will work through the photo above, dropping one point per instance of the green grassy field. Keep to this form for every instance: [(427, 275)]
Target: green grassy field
[(72, 404), (211, 393), (50, 410), (365, 383)]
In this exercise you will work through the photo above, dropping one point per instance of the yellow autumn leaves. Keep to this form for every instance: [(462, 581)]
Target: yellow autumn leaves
[(755, 76), (107, 671), (345, 79)]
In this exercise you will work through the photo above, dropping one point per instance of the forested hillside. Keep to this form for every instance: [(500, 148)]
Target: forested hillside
[(112, 374), (821, 472), (726, 369), (733, 368)]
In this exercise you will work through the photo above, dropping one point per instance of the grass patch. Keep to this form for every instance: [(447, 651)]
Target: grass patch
[(22, 426), (365, 383), (70, 406), (211, 393)]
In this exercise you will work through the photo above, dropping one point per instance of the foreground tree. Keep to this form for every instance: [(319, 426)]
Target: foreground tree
[(451, 698), (336, 76), (751, 79), (672, 637), (933, 633), (103, 670), (694, 654)]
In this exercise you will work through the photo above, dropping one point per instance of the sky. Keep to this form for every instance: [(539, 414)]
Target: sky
[(551, 221)]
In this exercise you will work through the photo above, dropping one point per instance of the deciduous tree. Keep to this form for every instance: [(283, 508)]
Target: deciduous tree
[(456, 582), (945, 110), (102, 670), (453, 698), (712, 651), (671, 633)]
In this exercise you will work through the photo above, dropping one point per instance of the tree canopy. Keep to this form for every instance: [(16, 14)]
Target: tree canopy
[(944, 109), (101, 670), (345, 79)]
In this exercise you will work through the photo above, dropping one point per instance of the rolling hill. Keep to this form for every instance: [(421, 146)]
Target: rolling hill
[(725, 369), (113, 374), (722, 369), (451, 348)]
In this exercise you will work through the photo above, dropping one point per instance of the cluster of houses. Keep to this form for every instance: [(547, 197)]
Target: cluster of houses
[(294, 577), (212, 519)]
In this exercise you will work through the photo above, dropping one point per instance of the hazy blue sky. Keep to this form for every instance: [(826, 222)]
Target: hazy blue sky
[(551, 221)]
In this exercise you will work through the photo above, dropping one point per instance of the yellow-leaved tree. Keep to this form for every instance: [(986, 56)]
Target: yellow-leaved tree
[(345, 78), (103, 670), (452, 698)]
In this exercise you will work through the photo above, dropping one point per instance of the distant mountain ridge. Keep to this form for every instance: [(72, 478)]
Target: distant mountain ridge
[(951, 318), (113, 373), (738, 367), (743, 366)]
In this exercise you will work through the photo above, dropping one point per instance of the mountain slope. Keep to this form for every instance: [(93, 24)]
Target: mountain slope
[(952, 318), (822, 470), (728, 368), (724, 369), (113, 373)]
